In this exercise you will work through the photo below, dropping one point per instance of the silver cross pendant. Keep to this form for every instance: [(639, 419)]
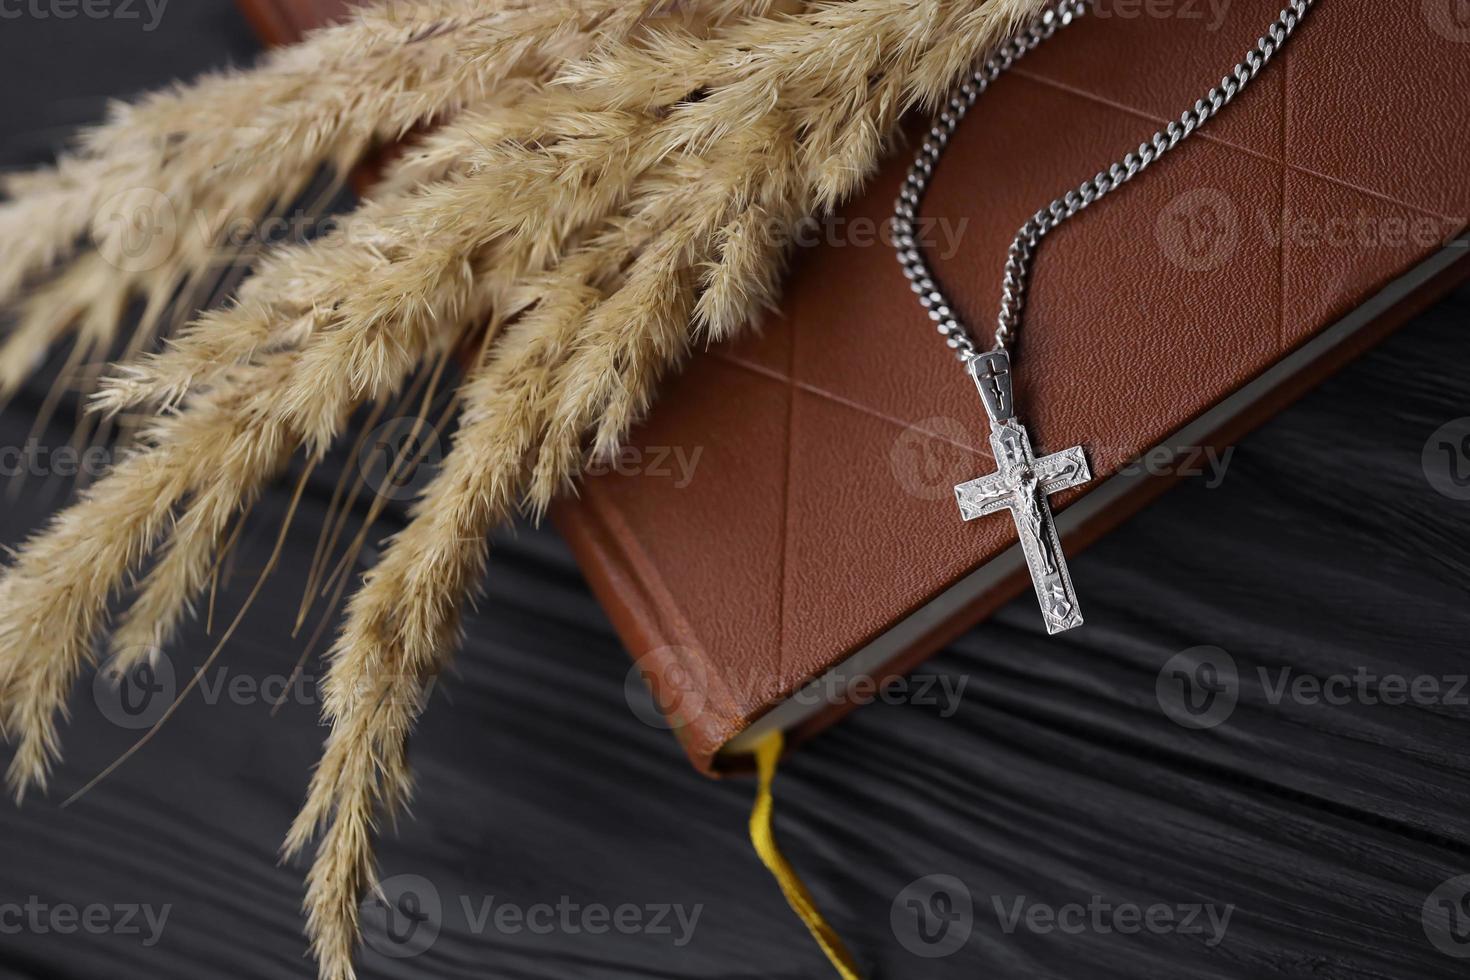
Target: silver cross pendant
[(1022, 485)]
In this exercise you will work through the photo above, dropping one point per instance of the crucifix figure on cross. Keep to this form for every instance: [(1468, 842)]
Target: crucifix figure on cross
[(1022, 484)]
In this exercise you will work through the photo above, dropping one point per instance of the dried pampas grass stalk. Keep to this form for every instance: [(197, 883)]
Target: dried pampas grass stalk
[(609, 184), (159, 194)]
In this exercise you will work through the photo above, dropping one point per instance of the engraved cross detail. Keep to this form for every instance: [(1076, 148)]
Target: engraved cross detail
[(1022, 485)]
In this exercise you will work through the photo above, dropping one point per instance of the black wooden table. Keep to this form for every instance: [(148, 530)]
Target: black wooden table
[(1305, 617)]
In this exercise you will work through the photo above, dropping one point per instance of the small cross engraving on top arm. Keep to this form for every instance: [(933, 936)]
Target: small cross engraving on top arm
[(997, 381), (1022, 484)]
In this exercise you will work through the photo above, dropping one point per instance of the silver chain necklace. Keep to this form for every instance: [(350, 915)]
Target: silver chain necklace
[(1023, 482)]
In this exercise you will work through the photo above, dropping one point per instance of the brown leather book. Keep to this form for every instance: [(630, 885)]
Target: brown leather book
[(284, 21), (784, 523)]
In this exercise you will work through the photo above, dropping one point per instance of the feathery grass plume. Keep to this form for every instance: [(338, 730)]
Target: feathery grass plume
[(505, 188), (725, 197), (56, 592), (221, 446), (357, 344), (228, 123), (163, 187), (180, 141), (636, 195), (374, 337), (375, 687), (208, 460), (404, 619)]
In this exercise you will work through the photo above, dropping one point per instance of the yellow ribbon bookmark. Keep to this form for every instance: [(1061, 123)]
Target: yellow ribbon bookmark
[(767, 753)]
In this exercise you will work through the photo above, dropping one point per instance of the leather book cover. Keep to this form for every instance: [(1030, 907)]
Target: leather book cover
[(784, 522), (284, 21)]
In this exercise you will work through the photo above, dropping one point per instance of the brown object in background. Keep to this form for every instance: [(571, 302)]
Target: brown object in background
[(820, 521), (284, 21)]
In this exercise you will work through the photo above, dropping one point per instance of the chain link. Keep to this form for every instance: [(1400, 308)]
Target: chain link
[(1023, 247)]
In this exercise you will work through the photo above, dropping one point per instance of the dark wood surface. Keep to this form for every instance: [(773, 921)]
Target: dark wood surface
[(1323, 551)]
